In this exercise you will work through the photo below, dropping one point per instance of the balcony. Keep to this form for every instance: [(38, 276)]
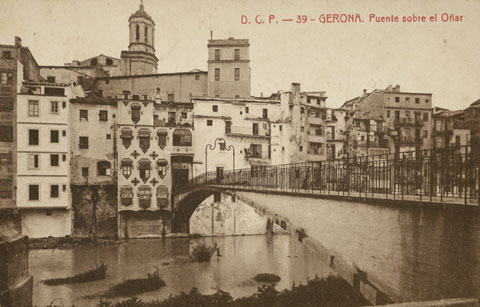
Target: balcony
[(173, 123), (407, 122), (315, 120), (247, 132)]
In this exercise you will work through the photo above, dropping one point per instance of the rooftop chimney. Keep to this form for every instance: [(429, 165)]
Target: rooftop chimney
[(18, 42), (396, 88), (389, 88), (295, 88), (364, 92)]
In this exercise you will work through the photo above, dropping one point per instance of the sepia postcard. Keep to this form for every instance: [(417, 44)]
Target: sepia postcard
[(239, 153)]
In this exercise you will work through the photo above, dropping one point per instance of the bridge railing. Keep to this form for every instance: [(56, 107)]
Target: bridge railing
[(440, 175)]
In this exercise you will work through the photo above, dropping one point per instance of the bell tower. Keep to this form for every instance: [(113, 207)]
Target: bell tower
[(140, 58)]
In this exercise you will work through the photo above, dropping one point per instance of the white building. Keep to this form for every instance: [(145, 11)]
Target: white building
[(43, 159)]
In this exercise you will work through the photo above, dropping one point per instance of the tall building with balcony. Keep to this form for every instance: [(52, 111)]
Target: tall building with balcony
[(335, 134), (228, 68), (43, 159), (389, 120), (239, 133), (155, 155), (307, 114)]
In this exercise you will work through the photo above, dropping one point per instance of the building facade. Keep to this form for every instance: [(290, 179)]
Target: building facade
[(43, 159)]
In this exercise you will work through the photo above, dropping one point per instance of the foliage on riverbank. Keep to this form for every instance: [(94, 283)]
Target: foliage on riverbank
[(91, 275), (67, 242), (331, 291), (202, 252)]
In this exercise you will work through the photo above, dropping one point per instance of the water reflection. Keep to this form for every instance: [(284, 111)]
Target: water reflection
[(241, 259)]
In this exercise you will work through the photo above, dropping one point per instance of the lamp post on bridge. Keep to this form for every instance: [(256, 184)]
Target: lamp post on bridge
[(223, 146)]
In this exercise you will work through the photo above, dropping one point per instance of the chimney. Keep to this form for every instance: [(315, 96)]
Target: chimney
[(18, 42), (295, 89), (389, 88), (396, 88), (364, 92)]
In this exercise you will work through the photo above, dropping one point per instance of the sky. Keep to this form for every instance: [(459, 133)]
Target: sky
[(342, 59)]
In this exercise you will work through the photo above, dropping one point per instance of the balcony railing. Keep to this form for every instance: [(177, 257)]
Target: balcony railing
[(172, 123)]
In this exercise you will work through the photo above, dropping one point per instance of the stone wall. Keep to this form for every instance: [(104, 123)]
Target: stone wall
[(95, 210)]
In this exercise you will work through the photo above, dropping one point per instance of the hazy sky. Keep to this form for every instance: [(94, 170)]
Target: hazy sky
[(441, 58)]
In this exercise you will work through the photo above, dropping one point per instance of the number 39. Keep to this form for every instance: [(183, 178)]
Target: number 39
[(302, 18)]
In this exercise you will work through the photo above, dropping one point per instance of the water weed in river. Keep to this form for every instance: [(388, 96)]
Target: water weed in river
[(97, 273)]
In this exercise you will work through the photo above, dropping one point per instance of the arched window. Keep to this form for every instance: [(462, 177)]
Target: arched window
[(162, 138), (135, 113), (126, 136), (144, 167), (146, 35), (144, 139), (162, 167), (137, 32), (126, 195), (162, 197), (103, 168), (144, 196), (182, 137), (126, 166)]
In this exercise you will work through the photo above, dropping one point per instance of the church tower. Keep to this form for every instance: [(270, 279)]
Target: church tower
[(140, 58)]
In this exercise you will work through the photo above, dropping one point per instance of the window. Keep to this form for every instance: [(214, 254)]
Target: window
[(417, 100), (33, 108), (425, 133), (109, 62), (397, 99), (280, 127), (64, 104), (126, 165), (222, 146), (237, 55), (144, 139), (217, 54), (64, 187), (51, 79), (4, 78), (388, 113), (215, 108), (197, 77), (302, 129), (184, 115), (237, 74), (315, 148), (137, 32), (126, 135), (162, 138), (103, 168), (302, 110), (182, 137), (54, 107), (54, 191), (109, 136), (457, 140), (228, 127), (217, 74), (83, 114), (103, 115), (255, 129), (93, 62), (209, 122), (85, 172), (135, 112), (171, 97), (425, 117), (300, 148), (407, 99), (255, 151), (144, 169), (7, 54), (427, 100), (247, 110), (237, 96), (265, 114), (83, 143), (48, 212), (33, 192), (146, 34), (33, 137), (33, 161), (64, 158), (162, 168), (54, 136), (54, 160), (64, 133)]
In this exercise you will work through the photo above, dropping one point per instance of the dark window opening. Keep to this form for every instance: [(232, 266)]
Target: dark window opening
[(54, 136), (217, 74), (215, 108), (83, 114), (33, 137), (33, 192), (103, 168), (84, 171), (83, 143), (209, 122), (109, 62), (217, 54), (93, 62), (103, 115), (237, 55), (182, 137), (54, 160), (54, 191)]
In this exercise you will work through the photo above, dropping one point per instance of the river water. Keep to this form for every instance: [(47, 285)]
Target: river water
[(241, 258)]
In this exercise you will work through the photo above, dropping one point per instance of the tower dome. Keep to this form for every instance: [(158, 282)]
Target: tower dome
[(140, 58)]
